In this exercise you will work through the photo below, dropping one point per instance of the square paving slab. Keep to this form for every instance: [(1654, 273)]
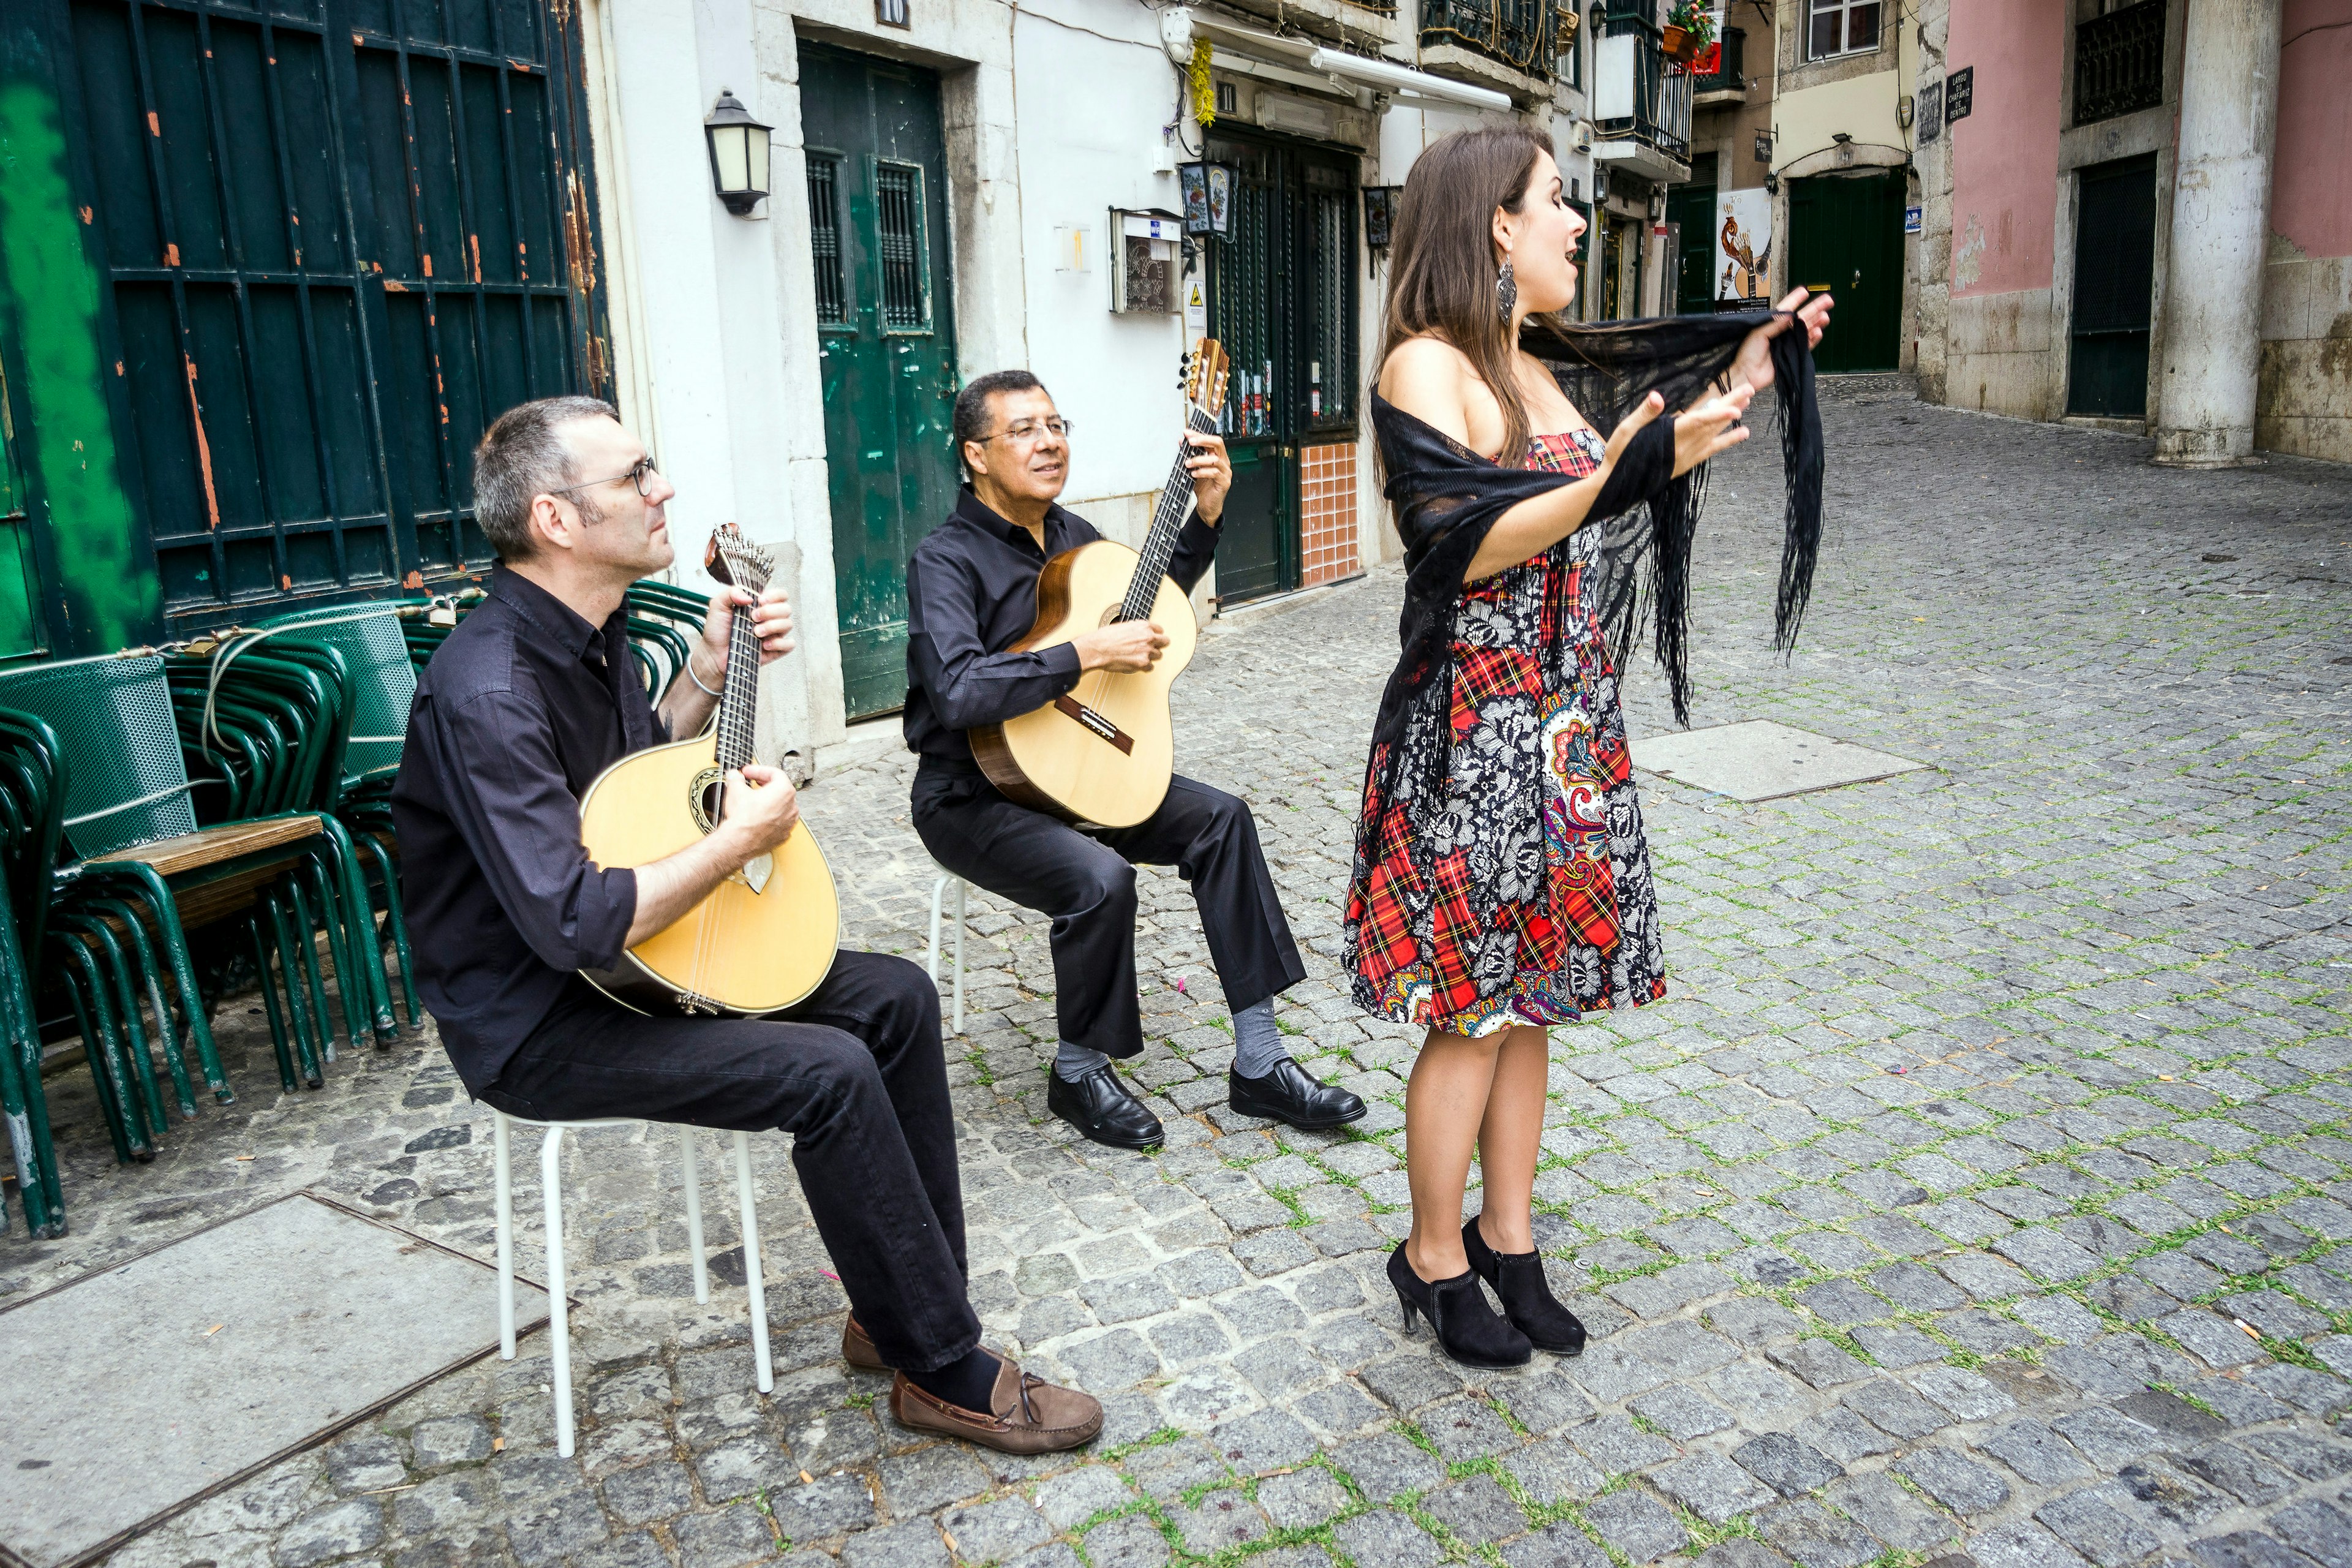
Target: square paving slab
[(131, 1393), (1761, 760)]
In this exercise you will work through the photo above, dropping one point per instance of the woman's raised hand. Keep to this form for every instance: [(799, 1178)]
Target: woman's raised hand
[(1754, 365), (1704, 429)]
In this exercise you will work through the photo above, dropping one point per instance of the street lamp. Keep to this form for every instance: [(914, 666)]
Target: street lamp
[(738, 155)]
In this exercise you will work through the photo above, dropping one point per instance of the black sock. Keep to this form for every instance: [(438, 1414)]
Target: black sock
[(967, 1383)]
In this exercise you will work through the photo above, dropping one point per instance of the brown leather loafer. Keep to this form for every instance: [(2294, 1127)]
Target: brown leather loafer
[(1027, 1414), (858, 1349)]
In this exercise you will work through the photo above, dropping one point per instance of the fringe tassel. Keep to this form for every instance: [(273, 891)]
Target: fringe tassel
[(1800, 451)]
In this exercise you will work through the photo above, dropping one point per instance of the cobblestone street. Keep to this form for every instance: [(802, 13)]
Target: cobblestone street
[(1981, 1193)]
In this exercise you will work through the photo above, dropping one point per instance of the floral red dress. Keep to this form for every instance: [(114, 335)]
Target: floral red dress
[(1461, 916)]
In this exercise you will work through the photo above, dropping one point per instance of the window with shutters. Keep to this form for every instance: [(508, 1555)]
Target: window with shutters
[(898, 221)]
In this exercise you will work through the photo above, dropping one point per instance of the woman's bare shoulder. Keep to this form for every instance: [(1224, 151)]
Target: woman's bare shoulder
[(1430, 379)]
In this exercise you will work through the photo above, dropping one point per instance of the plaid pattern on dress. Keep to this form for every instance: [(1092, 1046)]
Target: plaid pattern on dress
[(1532, 689)]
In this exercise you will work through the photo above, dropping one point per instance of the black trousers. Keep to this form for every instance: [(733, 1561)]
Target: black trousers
[(1086, 882), (855, 1073)]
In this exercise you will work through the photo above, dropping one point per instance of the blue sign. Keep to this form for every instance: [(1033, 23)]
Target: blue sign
[(1910, 220)]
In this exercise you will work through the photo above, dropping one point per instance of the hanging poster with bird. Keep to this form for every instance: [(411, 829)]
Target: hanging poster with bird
[(1743, 221)]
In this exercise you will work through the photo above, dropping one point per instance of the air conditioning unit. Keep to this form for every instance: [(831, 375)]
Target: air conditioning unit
[(1582, 140)]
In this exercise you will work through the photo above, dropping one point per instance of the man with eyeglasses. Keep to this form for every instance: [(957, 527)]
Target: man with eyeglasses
[(531, 698), (971, 594)]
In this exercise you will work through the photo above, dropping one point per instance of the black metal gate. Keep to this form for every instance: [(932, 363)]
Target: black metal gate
[(340, 237), (1282, 300)]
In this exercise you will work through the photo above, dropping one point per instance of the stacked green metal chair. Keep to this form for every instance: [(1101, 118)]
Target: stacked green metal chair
[(265, 724), (108, 870), (24, 819), (367, 648)]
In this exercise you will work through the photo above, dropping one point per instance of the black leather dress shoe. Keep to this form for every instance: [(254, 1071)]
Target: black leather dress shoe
[(1290, 1093), (1099, 1106)]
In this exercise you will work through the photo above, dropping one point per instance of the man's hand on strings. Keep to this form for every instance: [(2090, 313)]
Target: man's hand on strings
[(771, 623), (1123, 647), (1213, 474), (761, 807), (1706, 427), (1753, 368)]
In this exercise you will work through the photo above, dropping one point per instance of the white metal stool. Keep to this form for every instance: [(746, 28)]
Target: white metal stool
[(550, 1176), (931, 956)]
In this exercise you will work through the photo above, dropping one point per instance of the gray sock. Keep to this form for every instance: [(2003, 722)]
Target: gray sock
[(1072, 1063), (1257, 1043)]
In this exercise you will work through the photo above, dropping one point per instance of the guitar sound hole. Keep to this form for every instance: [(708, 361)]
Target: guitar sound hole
[(714, 796)]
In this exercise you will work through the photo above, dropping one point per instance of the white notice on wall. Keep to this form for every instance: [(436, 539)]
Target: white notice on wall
[(1743, 245), (1196, 309)]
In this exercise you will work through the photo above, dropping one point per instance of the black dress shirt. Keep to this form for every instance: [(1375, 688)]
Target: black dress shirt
[(971, 593), (520, 710)]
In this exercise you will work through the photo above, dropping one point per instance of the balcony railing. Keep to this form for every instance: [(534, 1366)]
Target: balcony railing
[(1521, 34), (2119, 62), (1634, 95), (1730, 73)]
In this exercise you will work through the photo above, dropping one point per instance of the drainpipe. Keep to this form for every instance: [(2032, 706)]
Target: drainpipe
[(2221, 221)]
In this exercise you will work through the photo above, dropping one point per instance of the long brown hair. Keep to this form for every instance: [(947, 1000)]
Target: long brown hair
[(1441, 268)]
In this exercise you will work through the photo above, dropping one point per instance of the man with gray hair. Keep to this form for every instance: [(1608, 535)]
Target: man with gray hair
[(527, 702)]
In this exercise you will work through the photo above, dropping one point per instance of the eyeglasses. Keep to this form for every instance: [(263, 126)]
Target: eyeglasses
[(1024, 431), (639, 472)]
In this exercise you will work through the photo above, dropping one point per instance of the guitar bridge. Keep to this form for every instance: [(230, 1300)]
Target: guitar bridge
[(1102, 728), (690, 1003)]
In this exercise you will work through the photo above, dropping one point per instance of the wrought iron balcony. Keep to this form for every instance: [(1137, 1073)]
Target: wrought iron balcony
[(1641, 107), (1730, 73), (2119, 62), (1520, 33)]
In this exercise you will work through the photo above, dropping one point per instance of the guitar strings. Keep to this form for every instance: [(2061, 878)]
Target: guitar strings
[(1159, 549)]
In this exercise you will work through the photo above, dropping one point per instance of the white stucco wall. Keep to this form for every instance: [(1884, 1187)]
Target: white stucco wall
[(1055, 114)]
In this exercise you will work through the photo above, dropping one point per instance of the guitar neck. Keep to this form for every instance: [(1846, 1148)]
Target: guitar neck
[(739, 702), (1166, 525)]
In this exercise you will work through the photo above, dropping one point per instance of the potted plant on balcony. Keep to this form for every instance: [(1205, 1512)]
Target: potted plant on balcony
[(1688, 32)]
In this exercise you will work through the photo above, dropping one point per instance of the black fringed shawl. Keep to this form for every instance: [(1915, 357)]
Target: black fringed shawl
[(1446, 496)]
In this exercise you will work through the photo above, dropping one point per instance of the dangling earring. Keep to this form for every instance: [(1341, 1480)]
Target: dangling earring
[(1507, 291)]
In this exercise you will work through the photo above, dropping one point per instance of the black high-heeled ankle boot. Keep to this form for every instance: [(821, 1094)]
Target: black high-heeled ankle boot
[(1518, 1282), (1467, 1328)]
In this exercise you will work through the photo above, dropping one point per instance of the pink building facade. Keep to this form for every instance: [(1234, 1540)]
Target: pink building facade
[(2138, 214)]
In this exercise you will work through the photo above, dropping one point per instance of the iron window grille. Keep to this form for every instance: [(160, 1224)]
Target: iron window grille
[(1521, 34), (1662, 98), (1730, 74), (2119, 62), (898, 221), (825, 241)]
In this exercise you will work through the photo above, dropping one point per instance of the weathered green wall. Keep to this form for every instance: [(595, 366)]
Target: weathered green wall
[(101, 588)]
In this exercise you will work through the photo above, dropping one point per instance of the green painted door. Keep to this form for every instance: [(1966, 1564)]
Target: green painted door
[(879, 240), (1845, 235), (2115, 290), (1282, 300), (328, 242), (1691, 209)]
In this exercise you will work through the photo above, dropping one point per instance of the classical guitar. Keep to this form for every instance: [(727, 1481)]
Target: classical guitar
[(1105, 751), (765, 937)]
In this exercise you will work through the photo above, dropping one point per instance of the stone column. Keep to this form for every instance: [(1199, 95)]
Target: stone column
[(2221, 213)]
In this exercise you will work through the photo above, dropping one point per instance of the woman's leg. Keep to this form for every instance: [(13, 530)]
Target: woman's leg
[(1510, 1139), (1445, 1105)]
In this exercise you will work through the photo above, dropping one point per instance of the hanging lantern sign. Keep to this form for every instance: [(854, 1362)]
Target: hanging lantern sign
[(1208, 190)]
